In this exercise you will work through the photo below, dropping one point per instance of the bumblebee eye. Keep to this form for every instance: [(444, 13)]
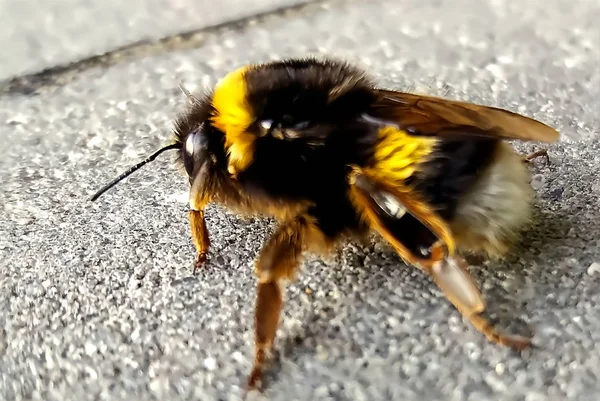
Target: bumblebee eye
[(189, 144), (195, 143), (195, 147)]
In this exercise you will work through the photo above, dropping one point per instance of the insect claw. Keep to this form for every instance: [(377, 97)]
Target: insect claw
[(254, 380), (200, 261), (254, 387)]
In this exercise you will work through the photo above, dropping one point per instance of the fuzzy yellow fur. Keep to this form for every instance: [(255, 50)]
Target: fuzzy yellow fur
[(233, 116)]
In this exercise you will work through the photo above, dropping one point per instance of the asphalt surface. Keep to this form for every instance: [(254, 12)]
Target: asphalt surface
[(97, 299), (38, 34)]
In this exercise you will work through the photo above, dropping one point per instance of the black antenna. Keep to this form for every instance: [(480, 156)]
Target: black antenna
[(134, 168)]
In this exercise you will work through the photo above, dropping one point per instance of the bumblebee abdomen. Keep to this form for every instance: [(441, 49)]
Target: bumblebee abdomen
[(489, 214), (451, 170)]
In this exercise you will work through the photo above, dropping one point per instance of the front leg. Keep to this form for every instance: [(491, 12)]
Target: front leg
[(277, 263), (200, 237)]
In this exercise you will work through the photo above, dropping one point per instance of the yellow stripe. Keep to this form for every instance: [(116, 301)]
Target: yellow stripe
[(398, 154), (233, 116)]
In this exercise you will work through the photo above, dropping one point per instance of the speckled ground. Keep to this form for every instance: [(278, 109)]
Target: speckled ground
[(98, 300)]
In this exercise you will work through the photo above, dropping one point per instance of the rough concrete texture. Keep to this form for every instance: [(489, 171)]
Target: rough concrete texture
[(36, 34), (98, 300)]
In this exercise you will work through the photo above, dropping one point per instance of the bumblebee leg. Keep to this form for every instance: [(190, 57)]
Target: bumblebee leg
[(199, 236), (484, 326), (453, 278), (277, 263), (393, 214), (266, 319), (535, 155)]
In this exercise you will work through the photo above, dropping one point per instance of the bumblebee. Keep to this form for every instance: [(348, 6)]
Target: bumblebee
[(316, 145)]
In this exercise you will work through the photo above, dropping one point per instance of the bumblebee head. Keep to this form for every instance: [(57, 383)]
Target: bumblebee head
[(291, 100), (199, 143), (299, 100)]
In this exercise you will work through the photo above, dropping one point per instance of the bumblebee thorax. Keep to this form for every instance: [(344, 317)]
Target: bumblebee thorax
[(251, 101)]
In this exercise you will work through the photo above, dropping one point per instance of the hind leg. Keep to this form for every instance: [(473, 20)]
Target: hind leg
[(535, 155), (448, 271)]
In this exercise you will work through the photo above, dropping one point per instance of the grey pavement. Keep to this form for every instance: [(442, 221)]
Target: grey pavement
[(97, 299), (42, 33)]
